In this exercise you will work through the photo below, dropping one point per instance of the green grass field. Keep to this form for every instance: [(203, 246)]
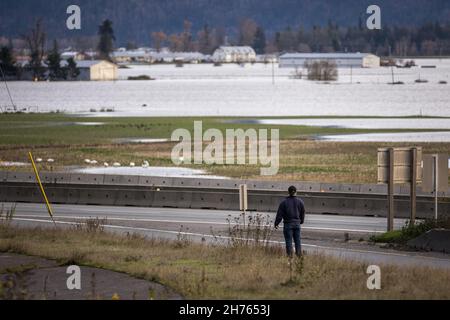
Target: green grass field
[(59, 136)]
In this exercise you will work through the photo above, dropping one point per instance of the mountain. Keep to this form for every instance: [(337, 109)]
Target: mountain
[(134, 20)]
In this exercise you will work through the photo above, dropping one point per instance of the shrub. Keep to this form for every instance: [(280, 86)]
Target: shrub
[(412, 231), (141, 77), (322, 71)]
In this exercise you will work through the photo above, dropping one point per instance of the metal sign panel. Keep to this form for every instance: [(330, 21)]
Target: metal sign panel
[(402, 165), (428, 184)]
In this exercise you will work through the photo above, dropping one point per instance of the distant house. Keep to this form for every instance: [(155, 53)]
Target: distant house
[(97, 70), (151, 56), (132, 56), (226, 54), (342, 60), (183, 57), (72, 54)]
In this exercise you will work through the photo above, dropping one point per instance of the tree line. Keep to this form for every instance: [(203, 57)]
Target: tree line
[(431, 39), (49, 63)]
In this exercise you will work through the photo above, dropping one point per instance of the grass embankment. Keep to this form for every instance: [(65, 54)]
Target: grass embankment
[(58, 136), (409, 231), (218, 272)]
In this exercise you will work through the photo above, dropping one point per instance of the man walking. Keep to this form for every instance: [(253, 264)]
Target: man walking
[(292, 212)]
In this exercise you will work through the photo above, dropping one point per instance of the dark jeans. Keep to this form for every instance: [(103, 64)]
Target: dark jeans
[(292, 231)]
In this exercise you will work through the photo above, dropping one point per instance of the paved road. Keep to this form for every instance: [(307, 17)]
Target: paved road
[(166, 223), (330, 223)]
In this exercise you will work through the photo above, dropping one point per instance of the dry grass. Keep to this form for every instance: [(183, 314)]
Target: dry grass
[(218, 272), (300, 160)]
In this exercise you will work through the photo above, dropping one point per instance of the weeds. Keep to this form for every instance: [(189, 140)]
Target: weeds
[(296, 270), (92, 225), (200, 271), (8, 215), (246, 230), (14, 287), (183, 239)]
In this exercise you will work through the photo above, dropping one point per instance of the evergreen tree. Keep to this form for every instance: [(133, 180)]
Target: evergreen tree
[(36, 42), (56, 72), (106, 42), (259, 44), (72, 71), (7, 62)]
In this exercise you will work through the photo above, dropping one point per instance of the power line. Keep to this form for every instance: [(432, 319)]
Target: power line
[(7, 88)]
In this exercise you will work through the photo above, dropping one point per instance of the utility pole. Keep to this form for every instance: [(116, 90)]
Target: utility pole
[(392, 71), (7, 89), (351, 74), (273, 71), (436, 185)]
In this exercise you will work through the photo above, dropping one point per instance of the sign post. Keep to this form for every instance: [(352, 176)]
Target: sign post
[(435, 176), (391, 187), (41, 187), (413, 185)]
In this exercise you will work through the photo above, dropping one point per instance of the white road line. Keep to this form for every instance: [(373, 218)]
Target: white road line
[(270, 241), (200, 222)]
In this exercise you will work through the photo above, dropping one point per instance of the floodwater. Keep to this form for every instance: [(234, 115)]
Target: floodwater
[(365, 123), (231, 90), (173, 172), (424, 137)]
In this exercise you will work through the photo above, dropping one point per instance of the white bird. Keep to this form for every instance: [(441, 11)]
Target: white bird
[(132, 164), (38, 160), (146, 164), (106, 164), (87, 161), (116, 164), (94, 162), (50, 160)]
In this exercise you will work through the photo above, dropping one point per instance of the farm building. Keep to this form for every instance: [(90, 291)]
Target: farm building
[(342, 60), (97, 70), (226, 54)]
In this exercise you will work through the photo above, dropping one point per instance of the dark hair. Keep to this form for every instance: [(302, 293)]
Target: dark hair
[(292, 190)]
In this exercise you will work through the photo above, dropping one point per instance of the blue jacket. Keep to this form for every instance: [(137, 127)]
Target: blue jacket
[(291, 210)]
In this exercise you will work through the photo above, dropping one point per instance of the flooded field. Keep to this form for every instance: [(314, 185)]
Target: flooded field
[(232, 90)]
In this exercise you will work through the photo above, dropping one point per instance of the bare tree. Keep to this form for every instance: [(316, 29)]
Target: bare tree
[(247, 32), (36, 44), (158, 40), (175, 43), (186, 36)]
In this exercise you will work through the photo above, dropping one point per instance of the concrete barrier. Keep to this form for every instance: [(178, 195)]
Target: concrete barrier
[(348, 199), (96, 179), (121, 180)]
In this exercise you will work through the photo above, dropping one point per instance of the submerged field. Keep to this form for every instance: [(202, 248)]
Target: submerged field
[(69, 140), (201, 271), (233, 90)]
